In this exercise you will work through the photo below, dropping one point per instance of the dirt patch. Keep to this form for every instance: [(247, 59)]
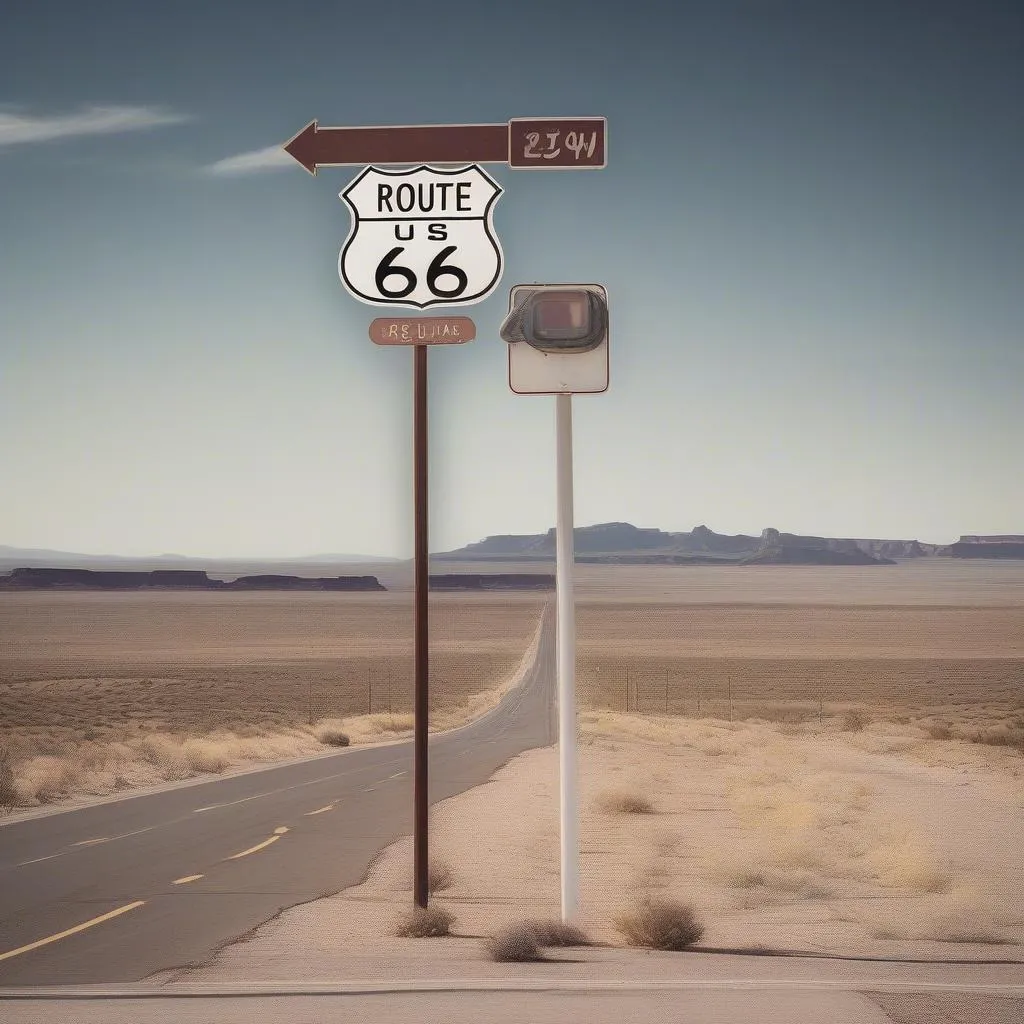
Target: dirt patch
[(948, 1008)]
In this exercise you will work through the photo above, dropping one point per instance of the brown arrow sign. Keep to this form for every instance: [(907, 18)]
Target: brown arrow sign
[(553, 142)]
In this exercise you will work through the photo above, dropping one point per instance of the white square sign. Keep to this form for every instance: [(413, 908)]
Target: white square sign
[(532, 372)]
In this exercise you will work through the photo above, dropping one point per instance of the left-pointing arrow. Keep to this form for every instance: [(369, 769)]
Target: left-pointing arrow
[(316, 147), (303, 147)]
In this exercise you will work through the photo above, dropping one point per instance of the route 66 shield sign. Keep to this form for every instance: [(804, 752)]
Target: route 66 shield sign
[(421, 237)]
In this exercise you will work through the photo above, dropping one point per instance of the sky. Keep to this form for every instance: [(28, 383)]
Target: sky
[(810, 227)]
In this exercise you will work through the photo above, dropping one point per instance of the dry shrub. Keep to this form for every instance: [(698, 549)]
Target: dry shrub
[(620, 801), (886, 744), (367, 728), (47, 778), (939, 731), (332, 736), (904, 861), (796, 867), (205, 756), (425, 923), (439, 876), (392, 722), (803, 835), (854, 720), (963, 915), (166, 755), (557, 933), (61, 764), (515, 943), (143, 758), (1001, 737), (739, 872), (8, 794), (718, 745), (807, 861), (660, 924)]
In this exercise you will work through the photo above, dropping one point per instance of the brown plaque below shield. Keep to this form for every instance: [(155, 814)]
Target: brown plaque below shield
[(422, 330)]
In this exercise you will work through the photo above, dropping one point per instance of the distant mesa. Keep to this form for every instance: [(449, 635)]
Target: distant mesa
[(36, 578), (997, 546), (625, 544), (604, 544), (271, 582), (46, 578), (43, 578), (790, 549)]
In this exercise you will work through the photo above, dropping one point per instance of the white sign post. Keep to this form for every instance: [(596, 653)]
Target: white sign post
[(421, 237), (558, 344), (565, 641)]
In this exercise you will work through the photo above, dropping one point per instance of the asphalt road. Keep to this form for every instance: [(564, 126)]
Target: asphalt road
[(188, 869)]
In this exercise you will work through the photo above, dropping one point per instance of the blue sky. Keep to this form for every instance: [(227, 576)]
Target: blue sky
[(810, 228)]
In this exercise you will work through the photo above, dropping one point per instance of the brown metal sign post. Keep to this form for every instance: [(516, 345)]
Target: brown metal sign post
[(421, 650), (423, 237), (421, 332)]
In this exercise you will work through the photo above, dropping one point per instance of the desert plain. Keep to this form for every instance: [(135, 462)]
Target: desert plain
[(817, 759)]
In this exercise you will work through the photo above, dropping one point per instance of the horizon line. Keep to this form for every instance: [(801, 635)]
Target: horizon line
[(340, 557)]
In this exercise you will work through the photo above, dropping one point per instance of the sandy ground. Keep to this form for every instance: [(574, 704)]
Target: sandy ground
[(876, 844)]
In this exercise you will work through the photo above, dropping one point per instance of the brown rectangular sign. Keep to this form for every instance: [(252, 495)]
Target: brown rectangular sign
[(544, 142), (559, 143), (422, 330)]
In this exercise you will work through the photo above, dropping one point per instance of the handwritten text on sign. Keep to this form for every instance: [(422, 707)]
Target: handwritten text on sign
[(422, 330), (557, 142)]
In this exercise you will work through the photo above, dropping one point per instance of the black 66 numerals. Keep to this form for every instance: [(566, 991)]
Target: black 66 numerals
[(438, 268)]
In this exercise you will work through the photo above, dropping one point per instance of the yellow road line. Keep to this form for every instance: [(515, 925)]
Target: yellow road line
[(253, 849), (71, 931), (89, 842), (187, 878), (329, 807), (299, 785), (280, 831)]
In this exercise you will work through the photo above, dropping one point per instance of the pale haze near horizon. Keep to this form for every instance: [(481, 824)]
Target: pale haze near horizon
[(810, 229)]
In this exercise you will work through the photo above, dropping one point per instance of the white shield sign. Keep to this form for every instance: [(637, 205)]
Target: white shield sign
[(421, 237)]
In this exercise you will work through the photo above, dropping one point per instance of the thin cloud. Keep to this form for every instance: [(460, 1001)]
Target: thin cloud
[(21, 129), (272, 158)]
